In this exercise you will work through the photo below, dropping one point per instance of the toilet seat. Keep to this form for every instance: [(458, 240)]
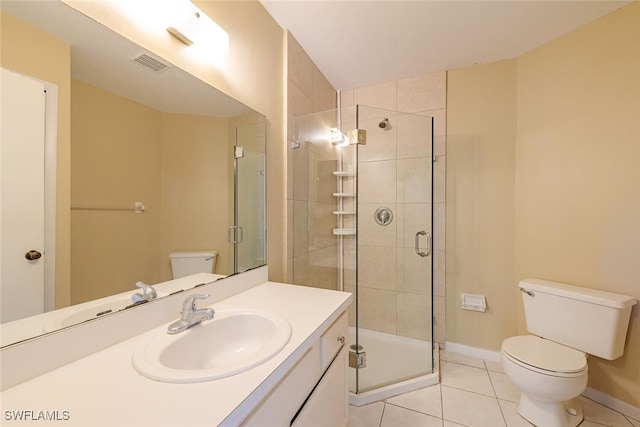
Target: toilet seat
[(544, 356)]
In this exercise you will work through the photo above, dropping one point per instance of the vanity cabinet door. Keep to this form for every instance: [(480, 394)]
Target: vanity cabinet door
[(281, 405), (314, 392), (327, 405)]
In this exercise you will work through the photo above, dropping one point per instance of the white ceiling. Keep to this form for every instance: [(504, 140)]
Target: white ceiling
[(357, 43)]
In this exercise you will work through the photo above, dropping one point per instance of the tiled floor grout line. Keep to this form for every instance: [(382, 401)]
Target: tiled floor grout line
[(440, 386), (495, 393), (441, 400), (469, 391), (412, 410), (599, 424), (384, 406)]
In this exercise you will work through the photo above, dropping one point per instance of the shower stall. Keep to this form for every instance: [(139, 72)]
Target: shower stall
[(361, 203)]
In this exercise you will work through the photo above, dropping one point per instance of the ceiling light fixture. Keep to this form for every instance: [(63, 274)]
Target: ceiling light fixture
[(180, 18), (180, 35), (192, 26)]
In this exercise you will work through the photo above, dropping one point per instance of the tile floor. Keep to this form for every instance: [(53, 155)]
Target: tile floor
[(473, 393)]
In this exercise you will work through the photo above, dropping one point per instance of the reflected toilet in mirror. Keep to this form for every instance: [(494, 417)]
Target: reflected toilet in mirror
[(187, 263)]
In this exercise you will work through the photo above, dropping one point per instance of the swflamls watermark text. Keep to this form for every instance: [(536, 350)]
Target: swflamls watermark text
[(36, 415)]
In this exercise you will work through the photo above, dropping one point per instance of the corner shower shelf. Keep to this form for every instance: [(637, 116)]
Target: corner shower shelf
[(344, 231), (343, 173), (344, 194)]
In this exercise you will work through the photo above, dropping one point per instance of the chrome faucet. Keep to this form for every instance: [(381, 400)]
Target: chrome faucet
[(148, 293), (190, 315)]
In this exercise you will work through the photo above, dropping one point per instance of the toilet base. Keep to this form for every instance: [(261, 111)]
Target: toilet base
[(550, 414)]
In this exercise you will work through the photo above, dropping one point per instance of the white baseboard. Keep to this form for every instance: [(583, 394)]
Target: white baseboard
[(480, 353), (595, 395)]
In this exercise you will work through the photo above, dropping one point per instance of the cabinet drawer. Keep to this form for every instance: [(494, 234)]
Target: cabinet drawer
[(332, 341)]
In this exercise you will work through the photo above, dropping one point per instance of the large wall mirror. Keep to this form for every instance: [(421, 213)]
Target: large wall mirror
[(160, 162)]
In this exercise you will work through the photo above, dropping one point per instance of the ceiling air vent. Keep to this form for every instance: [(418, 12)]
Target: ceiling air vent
[(150, 62)]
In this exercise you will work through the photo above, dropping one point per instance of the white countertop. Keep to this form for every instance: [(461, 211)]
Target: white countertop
[(103, 389)]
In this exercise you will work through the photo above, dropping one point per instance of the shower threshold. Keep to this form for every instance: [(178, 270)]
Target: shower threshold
[(385, 377)]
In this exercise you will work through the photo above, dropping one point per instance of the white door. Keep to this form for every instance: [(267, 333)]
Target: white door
[(22, 123)]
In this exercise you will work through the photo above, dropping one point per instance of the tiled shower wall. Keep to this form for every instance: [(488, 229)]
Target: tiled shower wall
[(423, 95), (312, 252), (311, 247)]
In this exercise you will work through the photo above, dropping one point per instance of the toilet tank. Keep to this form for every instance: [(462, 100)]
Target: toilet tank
[(187, 263), (588, 320)]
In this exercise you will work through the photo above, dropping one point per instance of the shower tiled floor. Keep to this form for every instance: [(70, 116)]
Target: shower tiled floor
[(473, 393)]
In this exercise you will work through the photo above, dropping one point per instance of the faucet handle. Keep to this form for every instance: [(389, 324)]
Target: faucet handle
[(148, 292), (190, 302)]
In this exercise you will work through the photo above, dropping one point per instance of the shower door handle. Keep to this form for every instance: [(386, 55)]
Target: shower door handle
[(417, 243), (238, 234)]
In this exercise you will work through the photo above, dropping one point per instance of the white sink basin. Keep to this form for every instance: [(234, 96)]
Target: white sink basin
[(233, 342)]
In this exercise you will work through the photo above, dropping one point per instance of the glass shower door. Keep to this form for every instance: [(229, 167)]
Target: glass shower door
[(359, 205), (394, 247)]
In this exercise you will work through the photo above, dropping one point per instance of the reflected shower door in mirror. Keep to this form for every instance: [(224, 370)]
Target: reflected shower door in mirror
[(249, 230), (140, 165)]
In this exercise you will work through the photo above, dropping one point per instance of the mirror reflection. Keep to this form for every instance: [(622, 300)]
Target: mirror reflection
[(145, 166)]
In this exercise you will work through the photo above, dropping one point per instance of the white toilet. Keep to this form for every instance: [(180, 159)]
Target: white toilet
[(187, 263), (550, 367)]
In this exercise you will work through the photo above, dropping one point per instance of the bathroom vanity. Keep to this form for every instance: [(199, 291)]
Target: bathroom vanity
[(304, 384)]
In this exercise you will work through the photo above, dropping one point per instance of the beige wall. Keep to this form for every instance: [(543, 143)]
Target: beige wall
[(32, 52), (481, 143), (577, 182), (251, 72), (115, 161), (578, 172)]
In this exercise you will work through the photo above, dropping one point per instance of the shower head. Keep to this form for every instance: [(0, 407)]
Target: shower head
[(384, 124)]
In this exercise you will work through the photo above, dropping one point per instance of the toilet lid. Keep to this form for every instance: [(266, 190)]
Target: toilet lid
[(544, 354)]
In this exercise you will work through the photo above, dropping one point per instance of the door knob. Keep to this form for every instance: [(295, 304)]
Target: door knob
[(32, 255)]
